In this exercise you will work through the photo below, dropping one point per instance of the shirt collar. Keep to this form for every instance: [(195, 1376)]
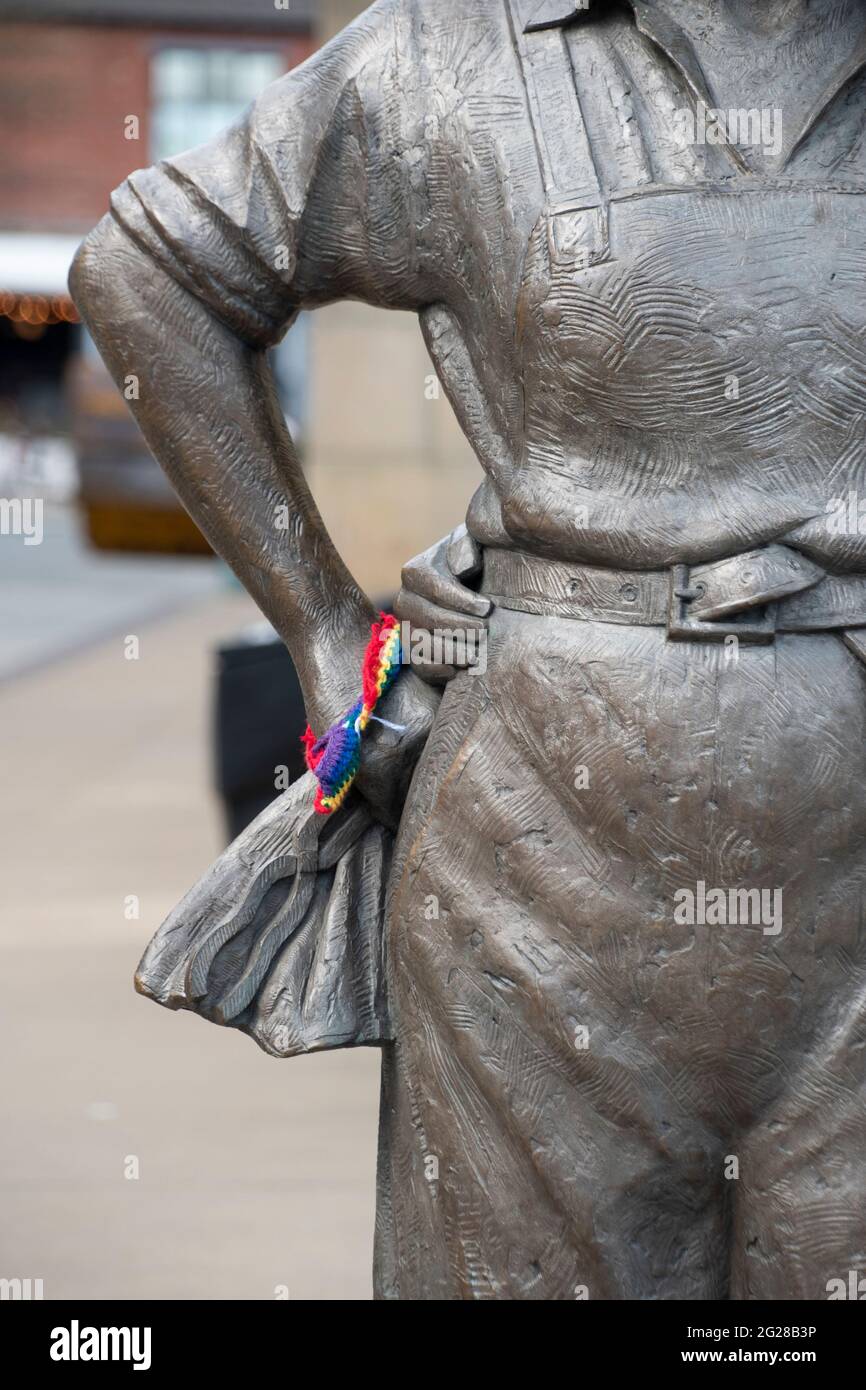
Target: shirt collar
[(664, 31), (672, 40)]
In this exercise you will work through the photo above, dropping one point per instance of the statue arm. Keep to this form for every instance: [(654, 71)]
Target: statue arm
[(200, 267), (207, 406)]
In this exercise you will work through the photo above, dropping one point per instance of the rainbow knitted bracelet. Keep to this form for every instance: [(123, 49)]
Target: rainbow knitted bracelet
[(336, 757)]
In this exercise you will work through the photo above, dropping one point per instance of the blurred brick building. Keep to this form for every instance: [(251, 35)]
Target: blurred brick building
[(73, 71), (89, 90)]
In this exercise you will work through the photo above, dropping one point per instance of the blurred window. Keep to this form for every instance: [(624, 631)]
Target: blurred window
[(197, 91)]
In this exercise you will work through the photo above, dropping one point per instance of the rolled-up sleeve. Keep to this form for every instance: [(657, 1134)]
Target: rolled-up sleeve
[(300, 202)]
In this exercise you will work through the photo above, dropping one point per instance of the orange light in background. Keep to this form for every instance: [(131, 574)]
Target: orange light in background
[(30, 332), (37, 310)]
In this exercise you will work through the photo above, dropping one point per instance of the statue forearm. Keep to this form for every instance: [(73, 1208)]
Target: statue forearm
[(206, 404)]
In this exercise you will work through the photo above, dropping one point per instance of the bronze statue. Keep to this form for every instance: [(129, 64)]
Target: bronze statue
[(602, 903)]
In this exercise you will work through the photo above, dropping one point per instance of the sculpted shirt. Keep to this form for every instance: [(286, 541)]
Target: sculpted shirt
[(654, 345)]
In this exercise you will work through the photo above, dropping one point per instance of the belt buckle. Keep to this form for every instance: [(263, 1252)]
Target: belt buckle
[(682, 628)]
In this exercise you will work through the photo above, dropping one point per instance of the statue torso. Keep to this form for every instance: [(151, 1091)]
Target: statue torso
[(701, 386), (687, 319)]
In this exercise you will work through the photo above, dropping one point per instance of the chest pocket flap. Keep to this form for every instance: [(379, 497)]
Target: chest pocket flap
[(578, 236)]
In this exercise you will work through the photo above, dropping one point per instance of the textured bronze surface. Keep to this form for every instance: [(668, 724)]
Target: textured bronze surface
[(619, 978)]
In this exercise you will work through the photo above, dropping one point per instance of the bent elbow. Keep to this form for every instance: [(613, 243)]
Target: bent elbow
[(90, 281)]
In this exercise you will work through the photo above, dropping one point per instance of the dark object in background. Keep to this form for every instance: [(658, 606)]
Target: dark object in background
[(258, 724)]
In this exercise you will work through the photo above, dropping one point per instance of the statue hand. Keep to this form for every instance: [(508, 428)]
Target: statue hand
[(436, 597), (388, 755), (434, 600)]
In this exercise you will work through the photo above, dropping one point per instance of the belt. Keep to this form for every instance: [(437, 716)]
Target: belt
[(750, 596)]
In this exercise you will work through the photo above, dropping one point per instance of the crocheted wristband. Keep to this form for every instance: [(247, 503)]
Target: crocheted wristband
[(336, 757)]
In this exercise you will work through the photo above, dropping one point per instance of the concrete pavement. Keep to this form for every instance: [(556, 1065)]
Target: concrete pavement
[(59, 595), (253, 1173)]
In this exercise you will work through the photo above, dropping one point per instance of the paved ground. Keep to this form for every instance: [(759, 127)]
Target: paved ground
[(59, 595), (253, 1173)]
